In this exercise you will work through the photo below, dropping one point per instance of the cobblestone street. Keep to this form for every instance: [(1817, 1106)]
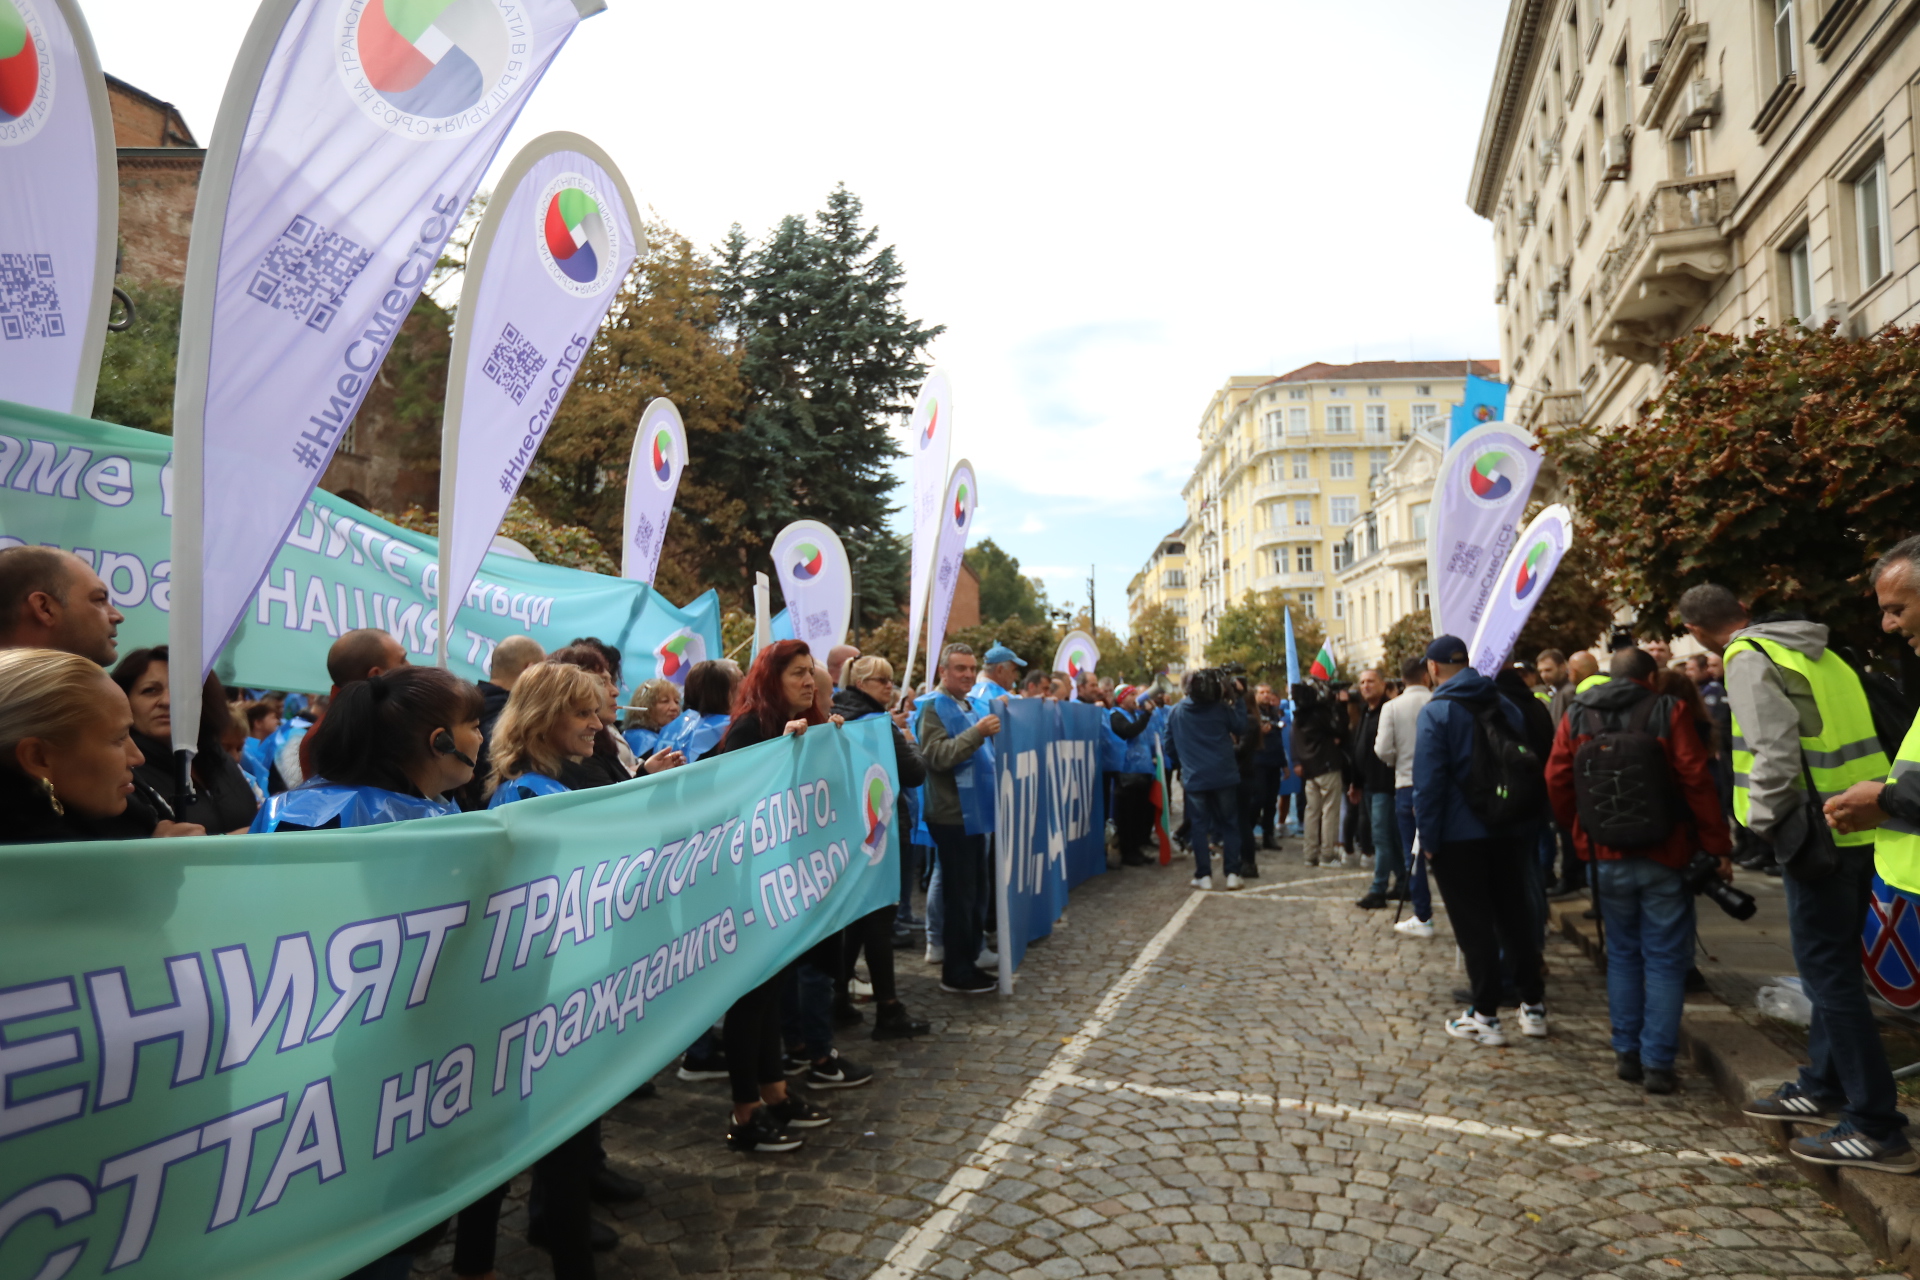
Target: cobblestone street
[(1247, 1086)]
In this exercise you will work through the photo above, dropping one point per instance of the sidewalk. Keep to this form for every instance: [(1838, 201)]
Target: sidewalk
[(1745, 1056)]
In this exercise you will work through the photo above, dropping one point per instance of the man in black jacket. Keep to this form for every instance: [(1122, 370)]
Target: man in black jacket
[(1320, 760), (1373, 787), (1269, 767)]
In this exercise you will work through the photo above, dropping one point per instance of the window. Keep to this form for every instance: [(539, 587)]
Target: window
[(1336, 391), (1273, 424), (1179, 635), (1343, 511), (1342, 554), (1340, 419), (1798, 264), (1303, 558), (1377, 421), (1308, 608), (1177, 606), (1173, 578), (1418, 513), (1376, 464), (1872, 253), (1422, 600), (1373, 391), (1423, 390), (1276, 470), (1277, 562), (1302, 466), (1421, 414), (1303, 510), (1339, 604), (1296, 422), (1296, 393), (1786, 53), (1340, 464)]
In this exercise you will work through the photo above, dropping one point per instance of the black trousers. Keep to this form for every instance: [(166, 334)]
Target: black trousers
[(559, 1203), (751, 1034), (1133, 815), (874, 935), (1266, 797), (1489, 903)]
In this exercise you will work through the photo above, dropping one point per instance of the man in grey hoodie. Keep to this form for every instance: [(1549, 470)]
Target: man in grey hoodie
[(1794, 701)]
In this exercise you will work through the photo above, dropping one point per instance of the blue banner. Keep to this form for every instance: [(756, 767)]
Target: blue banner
[(283, 1055), (1050, 816), (1486, 401)]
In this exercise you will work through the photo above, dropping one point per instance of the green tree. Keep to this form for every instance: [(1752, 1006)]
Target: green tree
[(1005, 592), (1407, 638), (1150, 647), (660, 338), (137, 365), (1252, 632), (1779, 464), (549, 541), (830, 358)]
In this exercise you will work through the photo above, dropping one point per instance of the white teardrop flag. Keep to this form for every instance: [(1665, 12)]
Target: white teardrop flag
[(956, 523), (653, 477), (928, 446), (817, 583)]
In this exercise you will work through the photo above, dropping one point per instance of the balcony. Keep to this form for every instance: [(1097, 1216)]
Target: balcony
[(1284, 489), (1664, 264), (1560, 409), (1288, 581), (1282, 534)]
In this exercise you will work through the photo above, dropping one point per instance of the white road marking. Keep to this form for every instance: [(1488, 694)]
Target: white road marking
[(911, 1252)]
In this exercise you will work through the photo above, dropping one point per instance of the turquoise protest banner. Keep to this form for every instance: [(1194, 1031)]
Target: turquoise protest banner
[(283, 1055), (105, 492)]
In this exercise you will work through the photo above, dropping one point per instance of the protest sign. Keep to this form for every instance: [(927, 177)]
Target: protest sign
[(653, 478), (105, 493), (283, 1055), (816, 580), (1050, 816), (1523, 580), (59, 207), (545, 264), (931, 439), (956, 523), (1479, 496)]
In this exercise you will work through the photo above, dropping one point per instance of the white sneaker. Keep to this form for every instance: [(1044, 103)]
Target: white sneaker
[(988, 959), (1202, 882), (1533, 1020), (1233, 881), (1414, 927), (1471, 1026), (936, 954)]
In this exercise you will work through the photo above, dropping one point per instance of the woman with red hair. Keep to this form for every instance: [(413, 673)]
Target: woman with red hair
[(777, 697)]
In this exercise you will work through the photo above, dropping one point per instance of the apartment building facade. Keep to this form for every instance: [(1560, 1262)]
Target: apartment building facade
[(1653, 166), (1285, 465), (1385, 577), (1162, 582)]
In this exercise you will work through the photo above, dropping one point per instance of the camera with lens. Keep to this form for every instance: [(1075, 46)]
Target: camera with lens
[(1701, 875)]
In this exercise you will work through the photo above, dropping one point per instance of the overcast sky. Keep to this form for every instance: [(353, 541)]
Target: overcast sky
[(1111, 207)]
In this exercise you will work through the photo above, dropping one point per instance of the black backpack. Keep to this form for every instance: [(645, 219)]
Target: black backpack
[(1622, 784), (1506, 779)]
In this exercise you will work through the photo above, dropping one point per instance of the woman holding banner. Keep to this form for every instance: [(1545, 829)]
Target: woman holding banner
[(709, 713), (390, 748), (67, 755), (222, 799), (775, 698)]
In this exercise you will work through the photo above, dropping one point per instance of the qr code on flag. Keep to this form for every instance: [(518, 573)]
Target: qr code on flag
[(514, 364), (308, 271), (818, 624), (29, 303), (642, 535)]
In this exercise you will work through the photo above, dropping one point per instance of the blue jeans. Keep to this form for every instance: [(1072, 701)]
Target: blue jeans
[(1218, 810), (1389, 864), (1846, 1058), (806, 1004), (1649, 917), (1417, 881), (963, 863)]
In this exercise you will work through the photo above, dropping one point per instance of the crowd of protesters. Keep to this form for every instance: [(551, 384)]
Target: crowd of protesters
[(1640, 777)]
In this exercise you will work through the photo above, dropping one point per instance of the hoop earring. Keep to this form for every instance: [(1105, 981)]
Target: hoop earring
[(59, 810)]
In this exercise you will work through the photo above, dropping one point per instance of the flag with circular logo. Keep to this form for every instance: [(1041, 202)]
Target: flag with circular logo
[(556, 241), (929, 440), (676, 655), (876, 812), (59, 207), (350, 139), (1481, 492), (1523, 580), (816, 580), (956, 526), (1076, 655), (653, 477)]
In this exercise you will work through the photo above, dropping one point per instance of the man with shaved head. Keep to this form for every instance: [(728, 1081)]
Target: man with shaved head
[(837, 659), (357, 655), (52, 599)]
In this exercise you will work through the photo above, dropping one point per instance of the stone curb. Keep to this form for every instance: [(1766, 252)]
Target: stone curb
[(1743, 1062)]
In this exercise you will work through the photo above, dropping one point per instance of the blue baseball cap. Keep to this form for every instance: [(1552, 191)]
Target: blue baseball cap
[(1451, 650), (1000, 653)]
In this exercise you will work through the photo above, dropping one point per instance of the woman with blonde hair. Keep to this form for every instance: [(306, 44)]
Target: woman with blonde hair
[(548, 732), (67, 754), (656, 707)]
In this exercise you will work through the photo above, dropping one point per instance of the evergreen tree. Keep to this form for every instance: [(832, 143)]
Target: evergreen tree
[(1004, 591)]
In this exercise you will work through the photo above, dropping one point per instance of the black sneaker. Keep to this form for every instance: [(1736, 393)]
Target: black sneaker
[(1662, 1080), (792, 1063), (795, 1112), (1249, 869), (1372, 902), (1790, 1102), (1844, 1145), (761, 1132), (893, 1022), (976, 984), (1626, 1066), (837, 1072), (692, 1068)]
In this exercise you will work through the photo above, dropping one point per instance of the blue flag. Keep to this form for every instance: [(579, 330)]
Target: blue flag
[(1486, 402), (1293, 656)]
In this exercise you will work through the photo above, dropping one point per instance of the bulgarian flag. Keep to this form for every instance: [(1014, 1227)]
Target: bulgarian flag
[(1323, 664)]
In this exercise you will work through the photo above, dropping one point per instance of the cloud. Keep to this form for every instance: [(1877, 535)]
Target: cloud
[(1033, 524)]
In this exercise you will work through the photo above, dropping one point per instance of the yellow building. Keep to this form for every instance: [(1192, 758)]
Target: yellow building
[(1163, 581), (1385, 577), (1284, 469)]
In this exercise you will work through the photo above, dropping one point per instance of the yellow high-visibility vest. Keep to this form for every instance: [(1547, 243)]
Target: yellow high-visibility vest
[(1896, 845), (1845, 751), (1592, 682)]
